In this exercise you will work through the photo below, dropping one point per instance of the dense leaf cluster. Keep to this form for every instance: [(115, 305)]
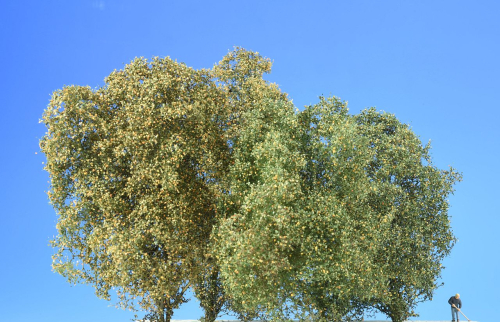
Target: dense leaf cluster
[(169, 178)]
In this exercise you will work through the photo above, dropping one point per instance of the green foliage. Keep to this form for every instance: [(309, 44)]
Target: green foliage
[(420, 234), (170, 178), (252, 246), (338, 214)]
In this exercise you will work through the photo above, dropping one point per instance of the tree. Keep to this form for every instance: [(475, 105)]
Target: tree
[(381, 179), (304, 240), (420, 235), (329, 203), (264, 183), (134, 168), (138, 173)]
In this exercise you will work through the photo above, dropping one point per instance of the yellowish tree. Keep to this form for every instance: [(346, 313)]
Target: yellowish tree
[(134, 167), (138, 172)]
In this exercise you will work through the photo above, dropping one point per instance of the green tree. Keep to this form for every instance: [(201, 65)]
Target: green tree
[(301, 241), (256, 106), (264, 188), (420, 234), (327, 204), (381, 179)]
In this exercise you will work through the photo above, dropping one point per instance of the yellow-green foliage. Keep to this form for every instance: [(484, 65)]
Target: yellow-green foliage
[(169, 178)]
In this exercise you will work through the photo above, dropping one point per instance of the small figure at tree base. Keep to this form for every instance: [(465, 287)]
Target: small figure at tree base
[(456, 305)]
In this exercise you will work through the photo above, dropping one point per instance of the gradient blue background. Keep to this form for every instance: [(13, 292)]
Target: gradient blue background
[(435, 64)]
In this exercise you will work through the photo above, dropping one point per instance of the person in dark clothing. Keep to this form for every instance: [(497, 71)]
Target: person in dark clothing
[(456, 305)]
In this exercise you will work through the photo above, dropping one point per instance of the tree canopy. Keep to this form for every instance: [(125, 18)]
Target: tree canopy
[(169, 178)]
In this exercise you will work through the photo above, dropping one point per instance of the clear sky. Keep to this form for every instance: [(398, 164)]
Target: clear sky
[(434, 64)]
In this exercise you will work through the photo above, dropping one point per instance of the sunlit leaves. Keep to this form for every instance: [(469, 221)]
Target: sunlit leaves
[(331, 209), (169, 178)]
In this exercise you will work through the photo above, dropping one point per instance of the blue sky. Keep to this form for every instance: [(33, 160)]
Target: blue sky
[(434, 64)]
